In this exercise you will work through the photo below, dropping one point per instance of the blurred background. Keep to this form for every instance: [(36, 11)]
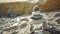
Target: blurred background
[(26, 6)]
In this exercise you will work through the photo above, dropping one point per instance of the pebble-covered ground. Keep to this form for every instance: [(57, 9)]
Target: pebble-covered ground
[(9, 25)]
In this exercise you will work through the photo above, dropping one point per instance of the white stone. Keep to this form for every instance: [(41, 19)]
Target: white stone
[(39, 32), (31, 21)]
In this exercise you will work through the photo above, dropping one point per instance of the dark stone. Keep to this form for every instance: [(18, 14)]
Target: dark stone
[(2, 15), (53, 30), (57, 15), (13, 15), (58, 20), (35, 18), (15, 32), (36, 8), (1, 32)]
